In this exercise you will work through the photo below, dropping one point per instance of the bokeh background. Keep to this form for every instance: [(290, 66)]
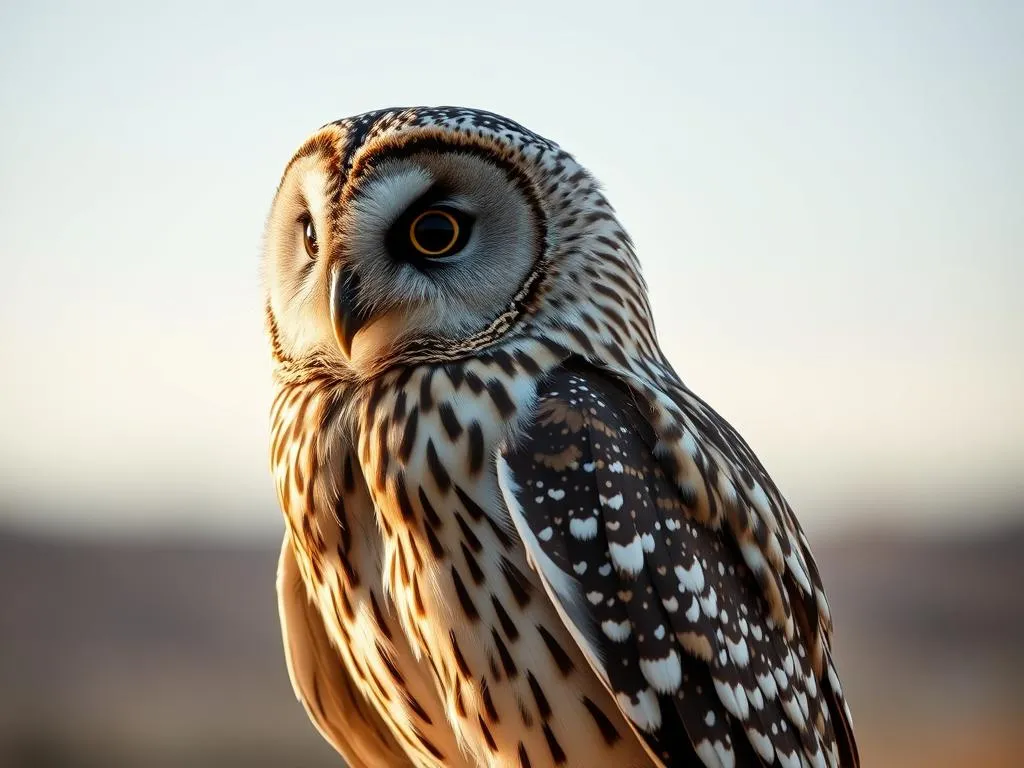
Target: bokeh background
[(828, 199)]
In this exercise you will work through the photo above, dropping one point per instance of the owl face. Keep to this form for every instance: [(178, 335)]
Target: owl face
[(424, 230)]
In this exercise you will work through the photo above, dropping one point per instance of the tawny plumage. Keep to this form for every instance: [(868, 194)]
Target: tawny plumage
[(514, 537)]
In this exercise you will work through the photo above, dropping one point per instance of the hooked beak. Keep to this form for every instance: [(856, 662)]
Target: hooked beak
[(345, 315)]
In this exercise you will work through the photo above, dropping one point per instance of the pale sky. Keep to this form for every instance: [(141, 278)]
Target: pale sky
[(828, 201)]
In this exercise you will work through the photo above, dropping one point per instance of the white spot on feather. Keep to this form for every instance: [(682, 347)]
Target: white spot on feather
[(753, 557), (615, 502), (693, 612), (756, 698), (616, 467), (797, 569), (665, 674), (580, 567), (546, 534), (617, 631), (738, 651), (793, 710), (767, 683), (780, 679), (734, 699), (812, 687), (762, 744), (833, 680), (725, 754), (707, 755), (710, 604), (692, 578), (583, 529), (646, 713), (557, 495), (629, 558), (801, 699), (760, 500)]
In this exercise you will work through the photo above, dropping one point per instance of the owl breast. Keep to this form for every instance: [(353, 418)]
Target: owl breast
[(339, 552), (513, 682)]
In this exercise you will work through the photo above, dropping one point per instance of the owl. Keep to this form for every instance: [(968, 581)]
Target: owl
[(513, 536)]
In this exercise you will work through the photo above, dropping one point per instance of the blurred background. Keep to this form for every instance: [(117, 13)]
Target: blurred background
[(829, 204)]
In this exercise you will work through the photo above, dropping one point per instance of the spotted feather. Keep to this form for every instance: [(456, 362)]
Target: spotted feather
[(663, 603)]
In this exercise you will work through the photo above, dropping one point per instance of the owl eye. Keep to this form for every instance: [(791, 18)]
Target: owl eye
[(309, 236), (436, 232)]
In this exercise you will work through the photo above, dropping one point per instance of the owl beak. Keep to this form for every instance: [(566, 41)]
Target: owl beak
[(345, 314)]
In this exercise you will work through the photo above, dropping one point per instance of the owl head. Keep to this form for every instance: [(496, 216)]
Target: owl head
[(427, 234)]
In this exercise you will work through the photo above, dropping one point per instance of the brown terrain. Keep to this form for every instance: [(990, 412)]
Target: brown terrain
[(168, 654)]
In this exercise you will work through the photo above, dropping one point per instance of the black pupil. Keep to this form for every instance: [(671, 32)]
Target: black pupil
[(310, 234), (435, 232)]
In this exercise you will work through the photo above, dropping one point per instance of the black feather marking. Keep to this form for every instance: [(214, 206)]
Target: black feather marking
[(504, 361), (511, 670), (475, 510), (474, 567), (403, 377), (557, 753), (543, 707), (379, 616), (517, 582), (476, 448), (527, 363), (398, 412), (455, 375), (426, 394), (467, 533), (468, 607), (408, 436), (404, 503), (460, 660), (524, 757), (449, 421), (608, 731), (511, 631), (500, 398), (491, 745), (562, 659), (429, 513), (441, 476)]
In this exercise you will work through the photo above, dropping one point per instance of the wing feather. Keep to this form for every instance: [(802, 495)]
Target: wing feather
[(659, 593)]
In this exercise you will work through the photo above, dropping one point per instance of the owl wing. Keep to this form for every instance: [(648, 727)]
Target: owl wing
[(664, 607), (321, 682)]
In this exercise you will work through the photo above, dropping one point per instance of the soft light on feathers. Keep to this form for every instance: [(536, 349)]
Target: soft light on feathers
[(526, 541)]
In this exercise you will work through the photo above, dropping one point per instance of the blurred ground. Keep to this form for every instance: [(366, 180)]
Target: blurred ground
[(168, 654)]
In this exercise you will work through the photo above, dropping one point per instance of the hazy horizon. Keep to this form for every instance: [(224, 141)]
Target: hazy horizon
[(828, 204)]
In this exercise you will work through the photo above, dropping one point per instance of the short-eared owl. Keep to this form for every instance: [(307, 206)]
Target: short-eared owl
[(514, 536)]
